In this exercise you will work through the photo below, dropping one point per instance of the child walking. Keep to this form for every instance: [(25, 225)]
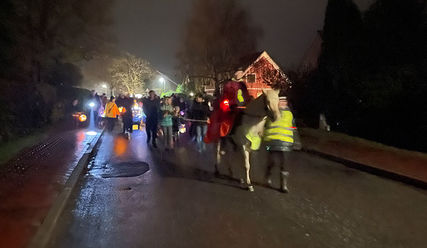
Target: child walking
[(166, 122)]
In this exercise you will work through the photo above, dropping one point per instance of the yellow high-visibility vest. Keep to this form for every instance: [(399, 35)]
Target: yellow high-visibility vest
[(282, 129)]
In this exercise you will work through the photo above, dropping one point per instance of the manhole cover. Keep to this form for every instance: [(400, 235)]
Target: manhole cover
[(125, 169)]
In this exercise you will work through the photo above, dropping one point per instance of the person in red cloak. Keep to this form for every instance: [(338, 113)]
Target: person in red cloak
[(233, 99)]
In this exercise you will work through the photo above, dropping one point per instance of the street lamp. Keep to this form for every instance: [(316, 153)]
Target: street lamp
[(106, 86), (162, 80)]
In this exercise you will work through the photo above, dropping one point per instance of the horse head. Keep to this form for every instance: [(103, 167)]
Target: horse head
[(266, 105), (272, 103)]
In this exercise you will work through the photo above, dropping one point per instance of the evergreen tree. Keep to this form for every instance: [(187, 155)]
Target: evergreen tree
[(372, 70), (395, 79), (339, 63)]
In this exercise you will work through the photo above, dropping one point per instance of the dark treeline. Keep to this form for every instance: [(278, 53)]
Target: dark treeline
[(42, 43), (372, 79)]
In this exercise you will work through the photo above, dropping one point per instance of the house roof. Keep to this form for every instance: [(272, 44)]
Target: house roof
[(247, 60), (251, 59)]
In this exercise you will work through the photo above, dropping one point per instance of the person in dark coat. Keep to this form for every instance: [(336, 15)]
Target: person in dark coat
[(199, 114), (151, 107), (127, 103), (182, 104)]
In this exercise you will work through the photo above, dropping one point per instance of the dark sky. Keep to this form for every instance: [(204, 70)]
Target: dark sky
[(152, 29)]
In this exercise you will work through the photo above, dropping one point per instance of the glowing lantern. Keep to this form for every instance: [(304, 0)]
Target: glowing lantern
[(182, 128), (82, 118), (225, 105), (122, 110)]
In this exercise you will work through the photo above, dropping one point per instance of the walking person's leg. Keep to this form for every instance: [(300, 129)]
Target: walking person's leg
[(270, 164), (192, 132), (130, 124), (198, 136), (111, 124), (107, 125), (154, 134), (170, 137), (165, 143), (284, 171), (148, 128), (125, 123), (204, 131)]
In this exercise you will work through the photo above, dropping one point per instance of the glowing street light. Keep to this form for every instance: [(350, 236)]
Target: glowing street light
[(162, 80), (104, 86)]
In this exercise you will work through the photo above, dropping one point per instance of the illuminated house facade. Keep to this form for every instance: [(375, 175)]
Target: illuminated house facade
[(253, 71)]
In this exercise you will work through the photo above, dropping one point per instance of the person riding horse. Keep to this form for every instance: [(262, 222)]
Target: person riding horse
[(242, 121), (234, 97)]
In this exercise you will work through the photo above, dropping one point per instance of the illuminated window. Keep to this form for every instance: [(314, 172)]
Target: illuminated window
[(250, 78)]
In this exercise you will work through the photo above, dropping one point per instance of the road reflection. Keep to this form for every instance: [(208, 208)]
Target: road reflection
[(120, 145)]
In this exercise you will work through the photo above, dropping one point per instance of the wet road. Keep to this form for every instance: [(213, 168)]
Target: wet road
[(179, 202)]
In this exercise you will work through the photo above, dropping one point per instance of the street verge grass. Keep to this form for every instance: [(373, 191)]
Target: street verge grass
[(10, 149)]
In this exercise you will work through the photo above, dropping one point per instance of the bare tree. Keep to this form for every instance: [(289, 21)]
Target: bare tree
[(219, 33), (129, 74)]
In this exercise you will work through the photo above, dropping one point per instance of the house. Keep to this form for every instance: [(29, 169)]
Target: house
[(258, 71)]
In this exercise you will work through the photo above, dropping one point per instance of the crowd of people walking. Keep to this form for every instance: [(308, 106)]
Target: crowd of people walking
[(168, 116)]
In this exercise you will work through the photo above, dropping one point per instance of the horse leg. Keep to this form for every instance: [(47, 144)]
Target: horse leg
[(246, 153)]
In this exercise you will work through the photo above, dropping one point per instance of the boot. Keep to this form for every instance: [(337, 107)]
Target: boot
[(284, 181)]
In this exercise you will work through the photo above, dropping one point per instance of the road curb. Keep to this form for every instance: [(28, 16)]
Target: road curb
[(369, 169), (44, 232)]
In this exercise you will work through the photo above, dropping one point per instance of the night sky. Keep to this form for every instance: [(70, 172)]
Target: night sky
[(153, 29)]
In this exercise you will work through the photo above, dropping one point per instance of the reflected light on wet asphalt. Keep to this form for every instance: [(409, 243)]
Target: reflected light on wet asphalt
[(91, 133), (80, 136), (120, 145)]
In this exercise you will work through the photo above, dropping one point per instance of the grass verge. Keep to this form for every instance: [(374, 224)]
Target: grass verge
[(12, 148)]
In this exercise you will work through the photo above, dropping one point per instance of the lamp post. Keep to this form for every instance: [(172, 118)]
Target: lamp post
[(106, 86), (162, 80)]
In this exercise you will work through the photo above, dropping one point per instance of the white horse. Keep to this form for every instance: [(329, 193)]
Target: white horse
[(248, 131)]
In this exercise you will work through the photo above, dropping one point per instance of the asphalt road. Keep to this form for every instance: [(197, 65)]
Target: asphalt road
[(176, 201)]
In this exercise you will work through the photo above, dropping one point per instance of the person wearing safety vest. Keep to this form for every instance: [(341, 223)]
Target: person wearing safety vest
[(279, 139), (111, 112)]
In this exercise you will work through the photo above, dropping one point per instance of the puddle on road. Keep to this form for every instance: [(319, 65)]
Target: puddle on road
[(124, 169)]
